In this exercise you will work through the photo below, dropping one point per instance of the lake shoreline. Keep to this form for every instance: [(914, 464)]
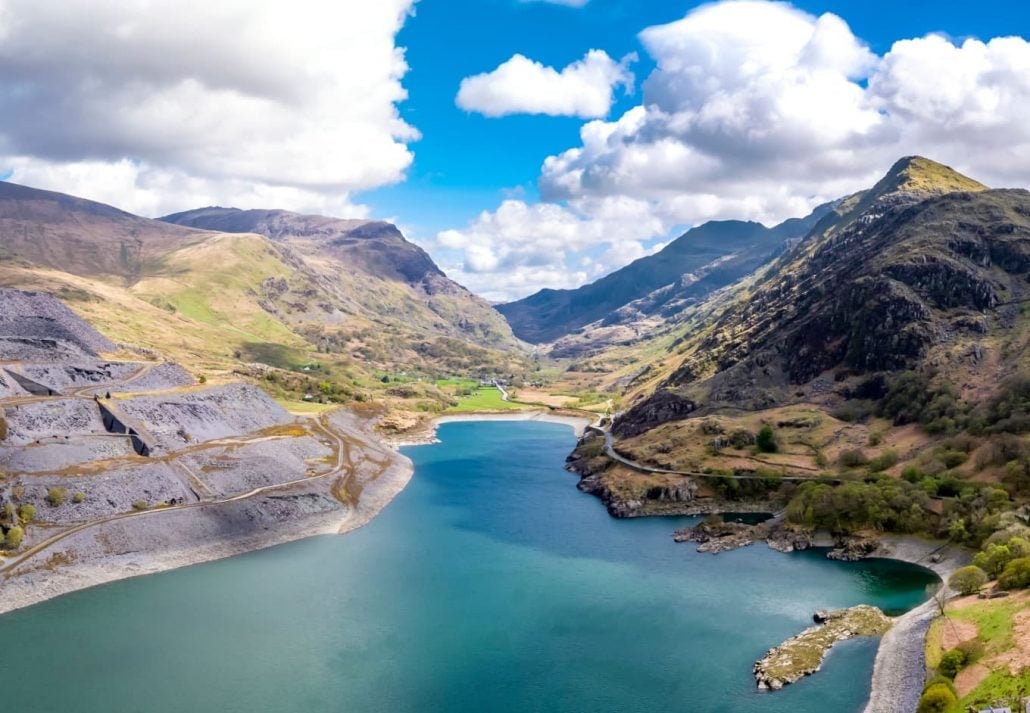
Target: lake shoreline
[(161, 540), (427, 435), (900, 669)]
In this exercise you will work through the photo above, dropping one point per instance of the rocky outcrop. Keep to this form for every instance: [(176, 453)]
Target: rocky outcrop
[(853, 549), (803, 654), (663, 407)]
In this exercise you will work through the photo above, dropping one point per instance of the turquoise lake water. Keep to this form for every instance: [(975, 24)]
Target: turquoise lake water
[(490, 584)]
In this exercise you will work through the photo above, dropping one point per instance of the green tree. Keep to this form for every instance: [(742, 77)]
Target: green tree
[(951, 663), (938, 698), (967, 580), (14, 537), (1016, 574), (992, 559), (766, 440)]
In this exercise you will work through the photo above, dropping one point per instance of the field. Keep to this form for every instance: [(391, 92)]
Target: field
[(484, 399)]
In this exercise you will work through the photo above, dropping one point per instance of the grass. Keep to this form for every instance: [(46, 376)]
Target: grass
[(994, 620), (487, 399), (304, 406)]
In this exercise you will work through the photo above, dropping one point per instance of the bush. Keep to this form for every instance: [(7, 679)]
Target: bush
[(27, 513), (875, 438), (852, 459), (3, 428), (202, 379), (79, 497), (967, 580), (140, 504), (887, 459), (766, 440), (951, 663), (853, 411), (57, 496), (937, 698), (14, 537), (1016, 574)]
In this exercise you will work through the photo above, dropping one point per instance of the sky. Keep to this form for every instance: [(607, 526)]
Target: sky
[(526, 144)]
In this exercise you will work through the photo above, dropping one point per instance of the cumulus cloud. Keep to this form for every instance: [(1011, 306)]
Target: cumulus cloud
[(758, 110), (585, 88), (156, 105), (523, 247)]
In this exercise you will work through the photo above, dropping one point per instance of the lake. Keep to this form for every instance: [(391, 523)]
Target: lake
[(489, 584)]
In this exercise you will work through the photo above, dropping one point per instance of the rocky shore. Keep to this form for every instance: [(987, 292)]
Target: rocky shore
[(803, 655)]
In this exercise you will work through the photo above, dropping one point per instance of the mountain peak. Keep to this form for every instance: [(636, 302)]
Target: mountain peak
[(915, 174)]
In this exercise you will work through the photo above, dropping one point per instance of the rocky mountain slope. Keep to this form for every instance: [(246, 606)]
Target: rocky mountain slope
[(919, 267), (889, 347), (277, 288), (370, 265), (634, 298)]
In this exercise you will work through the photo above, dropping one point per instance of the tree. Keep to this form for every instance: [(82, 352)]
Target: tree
[(1016, 574), (992, 559), (951, 663), (967, 580), (14, 537), (938, 698), (766, 440)]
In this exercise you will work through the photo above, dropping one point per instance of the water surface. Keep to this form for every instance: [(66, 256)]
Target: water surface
[(490, 584)]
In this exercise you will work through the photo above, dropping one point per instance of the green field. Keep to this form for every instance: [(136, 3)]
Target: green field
[(485, 399)]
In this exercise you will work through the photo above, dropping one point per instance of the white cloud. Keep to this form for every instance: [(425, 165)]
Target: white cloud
[(164, 104), (521, 247), (584, 88), (758, 110)]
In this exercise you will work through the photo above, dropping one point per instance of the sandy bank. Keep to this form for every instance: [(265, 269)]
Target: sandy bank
[(428, 435), (900, 666)]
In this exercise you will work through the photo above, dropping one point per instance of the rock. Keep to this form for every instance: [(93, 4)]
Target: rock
[(852, 549), (803, 654)]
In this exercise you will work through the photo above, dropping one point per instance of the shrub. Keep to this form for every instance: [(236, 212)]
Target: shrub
[(973, 649), (3, 428), (852, 459), (766, 440), (27, 513), (968, 580), (912, 474), (875, 438), (937, 698), (79, 497), (952, 458), (14, 537), (202, 379), (993, 559), (57, 496), (887, 459), (951, 663), (140, 504), (853, 411), (1016, 574)]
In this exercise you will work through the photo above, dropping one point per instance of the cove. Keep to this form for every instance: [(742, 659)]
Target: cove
[(489, 584)]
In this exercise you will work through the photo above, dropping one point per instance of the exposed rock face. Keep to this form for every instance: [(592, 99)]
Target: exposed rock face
[(663, 407), (803, 654), (38, 326), (873, 288), (852, 549)]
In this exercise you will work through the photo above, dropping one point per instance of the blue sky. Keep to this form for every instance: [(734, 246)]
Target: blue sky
[(740, 109), (466, 163)]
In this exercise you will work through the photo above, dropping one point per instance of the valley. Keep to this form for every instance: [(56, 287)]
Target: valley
[(219, 381)]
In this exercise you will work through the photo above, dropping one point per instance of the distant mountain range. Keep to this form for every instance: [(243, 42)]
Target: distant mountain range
[(691, 267)]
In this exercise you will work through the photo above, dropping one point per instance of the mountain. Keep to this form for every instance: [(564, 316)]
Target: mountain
[(913, 266), (250, 286), (891, 340), (688, 269)]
